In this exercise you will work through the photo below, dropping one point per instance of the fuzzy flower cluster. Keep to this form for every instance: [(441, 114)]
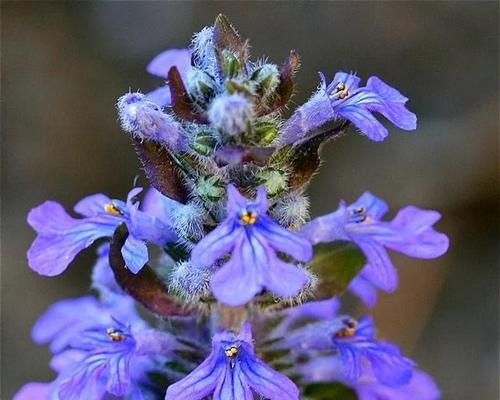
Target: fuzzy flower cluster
[(230, 295)]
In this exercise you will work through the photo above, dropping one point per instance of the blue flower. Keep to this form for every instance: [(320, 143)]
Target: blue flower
[(61, 237), (355, 343), (66, 319), (145, 119), (253, 239), (160, 65), (95, 353), (367, 387), (343, 98), (233, 372), (410, 233)]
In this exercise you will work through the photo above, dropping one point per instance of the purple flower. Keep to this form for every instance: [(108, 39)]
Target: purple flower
[(95, 352), (34, 390), (367, 387), (253, 239), (343, 98), (61, 237), (355, 343), (410, 233), (65, 319), (233, 372), (160, 65)]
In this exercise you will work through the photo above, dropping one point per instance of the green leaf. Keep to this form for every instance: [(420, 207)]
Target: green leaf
[(328, 391), (336, 264)]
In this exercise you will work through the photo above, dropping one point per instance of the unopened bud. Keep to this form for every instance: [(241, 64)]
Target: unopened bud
[(203, 143), (266, 78), (265, 132), (274, 180), (229, 64), (145, 119), (231, 114), (209, 189), (201, 86)]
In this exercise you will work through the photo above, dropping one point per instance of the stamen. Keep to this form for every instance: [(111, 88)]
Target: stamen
[(340, 92), (115, 335), (110, 208), (348, 331), (231, 352), (248, 218), (359, 214)]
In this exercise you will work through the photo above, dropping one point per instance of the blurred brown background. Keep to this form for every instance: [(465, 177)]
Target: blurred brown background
[(64, 64)]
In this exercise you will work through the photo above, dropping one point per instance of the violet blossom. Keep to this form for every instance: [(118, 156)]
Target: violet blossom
[(61, 237), (253, 239), (343, 98), (410, 233), (232, 371)]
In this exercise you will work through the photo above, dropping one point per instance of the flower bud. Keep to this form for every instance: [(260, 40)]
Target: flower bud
[(230, 65), (209, 189), (190, 282), (204, 52), (203, 143), (265, 132), (201, 86), (145, 119), (274, 180), (188, 221), (230, 113), (266, 78), (291, 210)]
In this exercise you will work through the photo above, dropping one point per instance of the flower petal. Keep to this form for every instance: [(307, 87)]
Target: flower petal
[(327, 228), (363, 119), (267, 382), (362, 288), (216, 244), (233, 386), (51, 255), (379, 269), (284, 240), (199, 383), (416, 237), (160, 96), (135, 254), (393, 107), (240, 279), (161, 64), (92, 205), (283, 279), (34, 390)]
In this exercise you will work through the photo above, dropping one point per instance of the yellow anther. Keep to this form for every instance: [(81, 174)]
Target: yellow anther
[(341, 91), (248, 218), (348, 331), (231, 352), (115, 335), (110, 208)]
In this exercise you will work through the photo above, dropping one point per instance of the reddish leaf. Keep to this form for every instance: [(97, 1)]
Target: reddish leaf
[(286, 85), (182, 105), (305, 156), (160, 169), (145, 286)]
